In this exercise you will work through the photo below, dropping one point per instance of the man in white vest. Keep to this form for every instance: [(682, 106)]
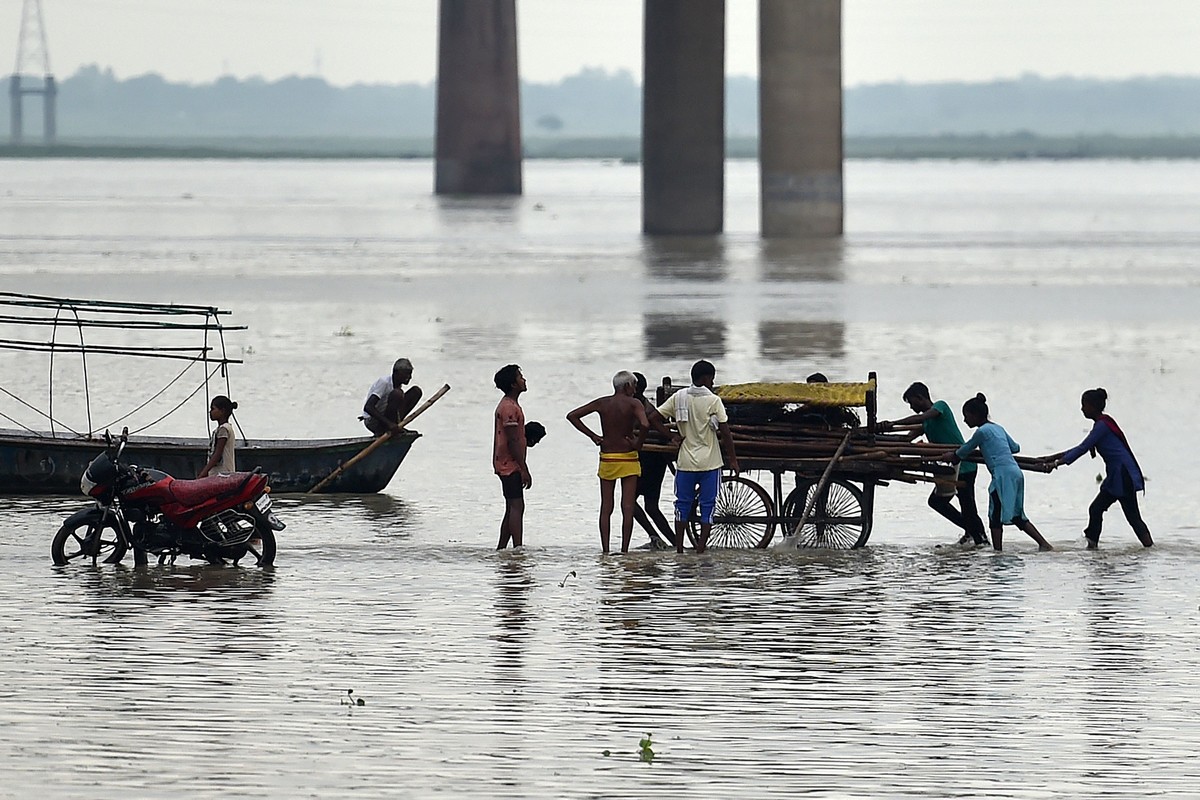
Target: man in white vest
[(388, 402)]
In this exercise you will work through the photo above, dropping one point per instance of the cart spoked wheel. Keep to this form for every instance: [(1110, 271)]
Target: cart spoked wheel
[(839, 520), (743, 516)]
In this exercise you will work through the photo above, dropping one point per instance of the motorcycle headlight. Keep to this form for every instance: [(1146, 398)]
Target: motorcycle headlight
[(99, 474)]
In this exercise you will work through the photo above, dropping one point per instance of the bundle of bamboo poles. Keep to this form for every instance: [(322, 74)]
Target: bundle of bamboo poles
[(790, 446)]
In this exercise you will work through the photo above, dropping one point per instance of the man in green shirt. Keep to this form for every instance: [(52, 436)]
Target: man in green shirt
[(936, 422)]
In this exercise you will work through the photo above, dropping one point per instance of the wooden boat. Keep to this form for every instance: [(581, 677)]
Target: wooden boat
[(44, 464), (36, 462)]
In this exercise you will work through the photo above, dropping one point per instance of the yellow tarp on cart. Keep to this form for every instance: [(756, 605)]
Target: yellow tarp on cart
[(814, 394)]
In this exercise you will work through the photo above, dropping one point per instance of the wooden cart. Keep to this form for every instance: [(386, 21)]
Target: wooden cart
[(810, 466), (822, 500)]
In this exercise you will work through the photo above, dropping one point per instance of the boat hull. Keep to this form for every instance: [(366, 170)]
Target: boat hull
[(32, 464)]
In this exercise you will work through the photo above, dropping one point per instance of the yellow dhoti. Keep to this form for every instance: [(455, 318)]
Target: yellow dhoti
[(614, 466)]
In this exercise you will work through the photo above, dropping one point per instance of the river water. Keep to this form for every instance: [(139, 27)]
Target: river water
[(900, 670)]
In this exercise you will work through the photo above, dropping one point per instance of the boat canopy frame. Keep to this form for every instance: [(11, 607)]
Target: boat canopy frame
[(30, 313)]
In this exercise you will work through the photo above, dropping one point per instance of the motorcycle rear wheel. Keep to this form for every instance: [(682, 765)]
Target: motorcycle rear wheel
[(261, 549), (88, 540)]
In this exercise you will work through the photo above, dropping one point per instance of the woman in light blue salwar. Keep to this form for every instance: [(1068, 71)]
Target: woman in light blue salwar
[(1006, 492)]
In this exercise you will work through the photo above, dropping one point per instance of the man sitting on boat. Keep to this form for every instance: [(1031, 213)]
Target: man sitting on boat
[(387, 403)]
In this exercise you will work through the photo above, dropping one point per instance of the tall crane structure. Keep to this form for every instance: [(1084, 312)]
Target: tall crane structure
[(33, 57)]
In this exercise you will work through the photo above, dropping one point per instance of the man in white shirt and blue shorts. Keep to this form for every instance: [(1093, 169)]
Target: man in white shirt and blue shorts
[(704, 428)]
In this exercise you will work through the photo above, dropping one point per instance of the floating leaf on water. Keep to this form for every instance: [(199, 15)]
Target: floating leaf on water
[(606, 753), (647, 751)]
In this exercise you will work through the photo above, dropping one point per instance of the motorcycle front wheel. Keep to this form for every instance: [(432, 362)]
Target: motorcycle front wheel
[(87, 540)]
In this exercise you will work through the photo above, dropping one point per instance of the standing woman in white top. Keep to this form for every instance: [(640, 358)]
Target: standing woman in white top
[(220, 451)]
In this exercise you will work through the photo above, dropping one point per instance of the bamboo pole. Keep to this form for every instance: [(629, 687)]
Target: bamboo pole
[(808, 507), (373, 446), (781, 446)]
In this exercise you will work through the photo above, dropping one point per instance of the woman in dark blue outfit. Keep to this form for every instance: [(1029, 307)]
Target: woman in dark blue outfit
[(1124, 477)]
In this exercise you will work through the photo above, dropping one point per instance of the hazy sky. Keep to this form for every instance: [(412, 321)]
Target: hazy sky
[(392, 41)]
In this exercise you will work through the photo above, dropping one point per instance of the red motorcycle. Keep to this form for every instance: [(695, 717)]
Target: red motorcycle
[(226, 517)]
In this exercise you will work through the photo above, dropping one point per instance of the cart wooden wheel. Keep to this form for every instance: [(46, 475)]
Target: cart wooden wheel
[(841, 520), (744, 515)]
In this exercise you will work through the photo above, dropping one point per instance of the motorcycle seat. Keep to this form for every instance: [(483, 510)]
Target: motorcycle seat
[(195, 492)]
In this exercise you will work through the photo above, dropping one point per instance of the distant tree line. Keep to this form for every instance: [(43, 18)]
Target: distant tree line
[(94, 104)]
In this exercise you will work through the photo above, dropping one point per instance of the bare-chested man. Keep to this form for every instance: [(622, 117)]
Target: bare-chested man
[(387, 401), (623, 426)]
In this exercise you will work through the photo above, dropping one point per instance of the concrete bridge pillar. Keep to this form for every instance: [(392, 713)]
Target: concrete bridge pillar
[(800, 117), (478, 145), (683, 117), (50, 110), (15, 96)]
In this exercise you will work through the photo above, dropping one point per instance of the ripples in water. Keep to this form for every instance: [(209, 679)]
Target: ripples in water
[(897, 671)]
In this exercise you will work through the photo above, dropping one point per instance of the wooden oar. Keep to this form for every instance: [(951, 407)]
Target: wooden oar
[(812, 501), (366, 451)]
